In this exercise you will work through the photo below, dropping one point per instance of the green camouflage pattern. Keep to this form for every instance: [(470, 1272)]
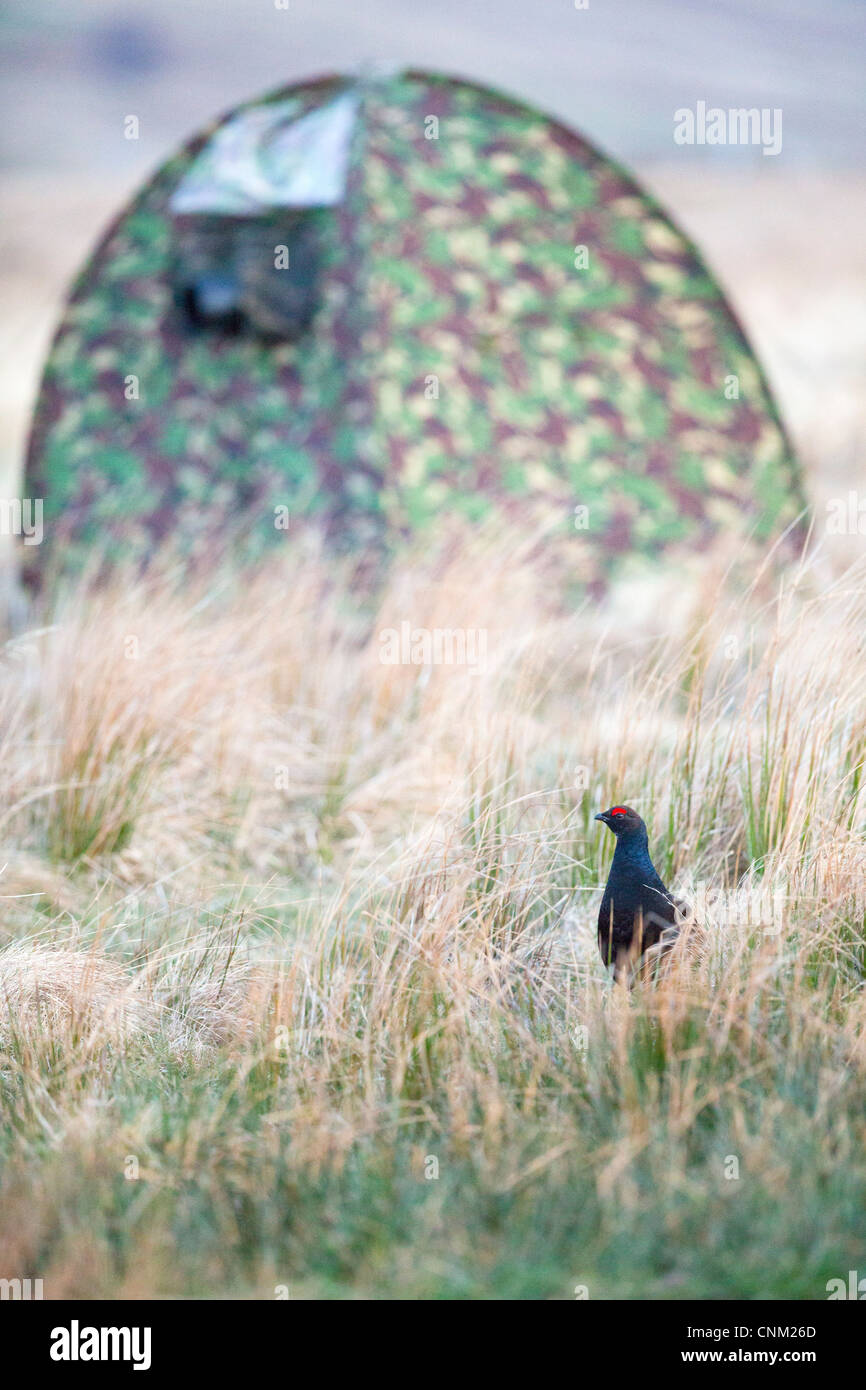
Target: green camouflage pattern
[(507, 323)]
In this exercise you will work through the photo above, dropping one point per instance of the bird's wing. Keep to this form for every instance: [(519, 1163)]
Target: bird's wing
[(665, 900)]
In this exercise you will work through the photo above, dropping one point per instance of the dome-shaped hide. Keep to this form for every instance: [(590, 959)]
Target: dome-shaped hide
[(487, 314)]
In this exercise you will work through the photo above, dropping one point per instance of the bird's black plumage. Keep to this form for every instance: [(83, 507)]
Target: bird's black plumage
[(637, 911)]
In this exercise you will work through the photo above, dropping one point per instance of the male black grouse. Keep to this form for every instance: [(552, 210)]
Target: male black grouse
[(637, 911)]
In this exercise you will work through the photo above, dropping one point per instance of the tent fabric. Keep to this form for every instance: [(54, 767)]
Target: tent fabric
[(507, 323), (269, 156)]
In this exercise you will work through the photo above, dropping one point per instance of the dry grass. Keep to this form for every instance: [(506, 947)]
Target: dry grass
[(48, 993), (307, 922)]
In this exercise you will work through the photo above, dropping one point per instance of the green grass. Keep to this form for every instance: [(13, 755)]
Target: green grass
[(362, 1043)]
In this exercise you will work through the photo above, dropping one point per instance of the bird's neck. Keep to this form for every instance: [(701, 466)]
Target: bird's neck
[(632, 851)]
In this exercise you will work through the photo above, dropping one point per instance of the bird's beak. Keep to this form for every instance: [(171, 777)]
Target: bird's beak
[(602, 816)]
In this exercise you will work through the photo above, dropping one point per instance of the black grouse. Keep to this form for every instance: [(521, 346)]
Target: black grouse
[(637, 911)]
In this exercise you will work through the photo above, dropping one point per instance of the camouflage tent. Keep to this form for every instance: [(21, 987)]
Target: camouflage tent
[(502, 319)]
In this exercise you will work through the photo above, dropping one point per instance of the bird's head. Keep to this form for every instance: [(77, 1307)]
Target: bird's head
[(622, 820)]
